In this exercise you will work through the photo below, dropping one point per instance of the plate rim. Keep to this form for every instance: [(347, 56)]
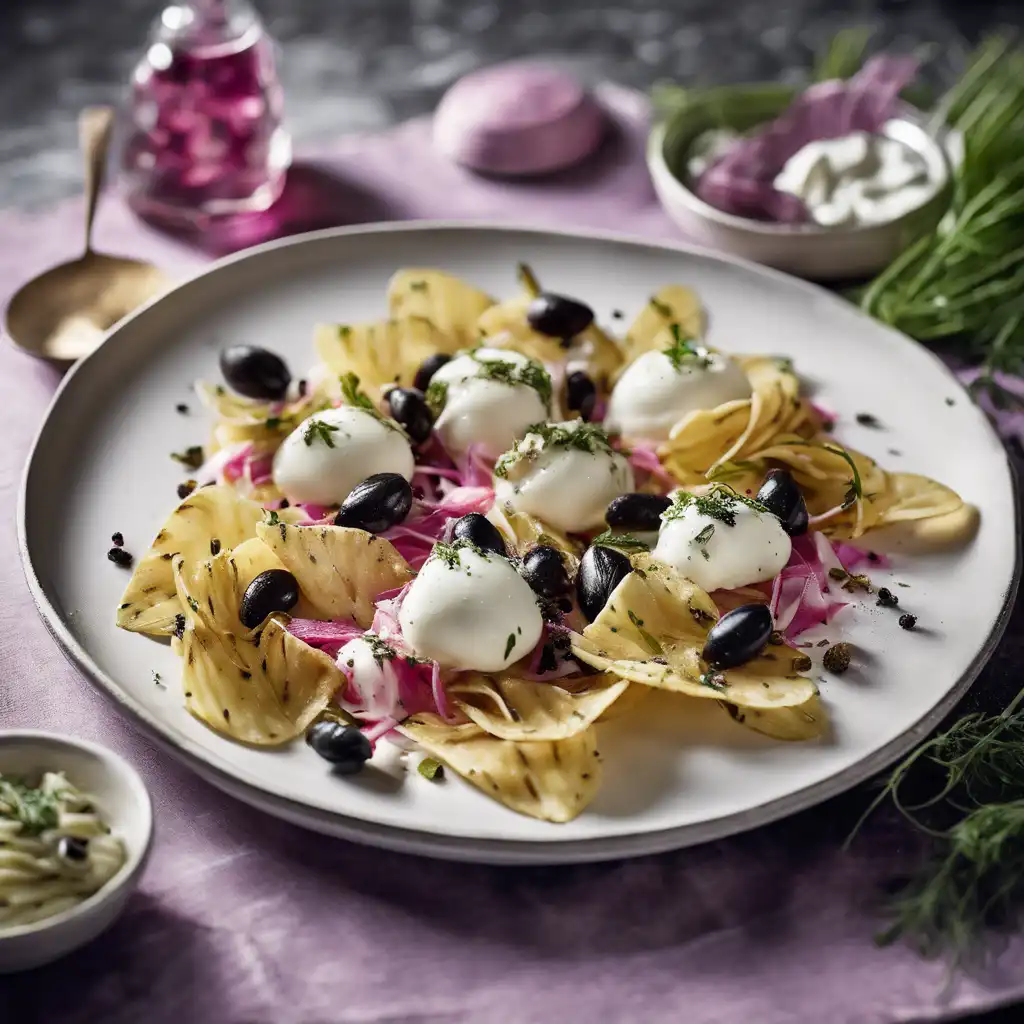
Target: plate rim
[(507, 850)]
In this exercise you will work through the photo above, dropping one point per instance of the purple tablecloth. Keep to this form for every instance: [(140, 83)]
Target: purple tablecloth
[(242, 919)]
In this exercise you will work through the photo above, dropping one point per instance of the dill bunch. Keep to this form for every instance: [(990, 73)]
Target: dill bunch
[(964, 788)]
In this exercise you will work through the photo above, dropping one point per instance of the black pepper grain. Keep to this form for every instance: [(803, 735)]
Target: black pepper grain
[(215, 546), (117, 539), (886, 598), (866, 419), (186, 488), (617, 314), (182, 408), (837, 658), (120, 557), (908, 621), (179, 625)]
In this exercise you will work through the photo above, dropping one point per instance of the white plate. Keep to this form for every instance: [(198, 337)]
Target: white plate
[(101, 464)]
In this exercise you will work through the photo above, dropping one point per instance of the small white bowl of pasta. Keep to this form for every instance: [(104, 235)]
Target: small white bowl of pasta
[(76, 824)]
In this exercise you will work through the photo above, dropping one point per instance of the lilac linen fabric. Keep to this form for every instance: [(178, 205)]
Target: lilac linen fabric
[(242, 919)]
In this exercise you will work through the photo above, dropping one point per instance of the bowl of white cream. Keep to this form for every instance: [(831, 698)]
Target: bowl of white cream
[(867, 195)]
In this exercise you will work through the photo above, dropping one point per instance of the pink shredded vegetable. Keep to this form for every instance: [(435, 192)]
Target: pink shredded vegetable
[(644, 460), (414, 538), (741, 180), (328, 637)]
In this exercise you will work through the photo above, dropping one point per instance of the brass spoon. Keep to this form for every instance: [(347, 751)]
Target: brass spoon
[(64, 313)]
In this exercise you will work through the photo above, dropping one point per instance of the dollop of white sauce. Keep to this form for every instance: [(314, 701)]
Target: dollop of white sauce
[(857, 179), (484, 412), (480, 614), (652, 396), (375, 681), (755, 549), (566, 488), (363, 445)]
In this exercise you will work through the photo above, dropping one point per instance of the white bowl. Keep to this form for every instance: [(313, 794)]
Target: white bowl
[(807, 250), (122, 802)]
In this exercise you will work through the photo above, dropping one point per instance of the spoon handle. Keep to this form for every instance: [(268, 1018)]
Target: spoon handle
[(94, 125)]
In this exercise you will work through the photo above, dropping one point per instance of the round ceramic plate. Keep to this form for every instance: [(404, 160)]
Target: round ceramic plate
[(676, 772)]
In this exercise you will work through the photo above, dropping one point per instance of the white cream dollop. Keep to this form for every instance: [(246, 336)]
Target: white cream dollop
[(477, 614), (754, 549), (308, 468), (857, 179), (372, 677), (489, 413), (652, 395), (563, 485)]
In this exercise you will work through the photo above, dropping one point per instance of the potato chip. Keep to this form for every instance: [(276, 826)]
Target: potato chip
[(674, 304), (449, 303), (520, 709), (252, 557), (262, 687), (805, 721), (150, 602), (552, 781), (652, 630), (526, 532), (340, 572)]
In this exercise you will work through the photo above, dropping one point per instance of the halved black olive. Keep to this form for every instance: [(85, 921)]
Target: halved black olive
[(601, 570), (344, 746), (781, 495), (558, 316), (255, 372), (545, 571), (636, 512), (73, 848), (580, 393), (376, 504), (738, 636), (429, 366), (481, 533), (410, 410), (274, 590)]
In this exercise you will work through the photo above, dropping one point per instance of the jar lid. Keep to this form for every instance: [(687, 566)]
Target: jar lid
[(519, 118)]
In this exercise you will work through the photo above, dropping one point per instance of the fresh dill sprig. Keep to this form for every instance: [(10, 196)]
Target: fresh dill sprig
[(855, 491), (684, 351), (541, 437), (974, 815), (622, 541), (718, 503), (318, 430), (505, 371), (354, 395)]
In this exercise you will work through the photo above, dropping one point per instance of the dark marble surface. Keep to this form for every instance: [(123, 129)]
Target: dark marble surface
[(352, 65)]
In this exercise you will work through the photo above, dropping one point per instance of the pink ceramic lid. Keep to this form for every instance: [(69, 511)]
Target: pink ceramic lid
[(518, 118)]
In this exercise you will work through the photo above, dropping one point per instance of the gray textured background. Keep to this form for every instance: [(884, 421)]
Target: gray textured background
[(360, 64)]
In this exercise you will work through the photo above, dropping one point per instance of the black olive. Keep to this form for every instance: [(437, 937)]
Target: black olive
[(411, 412), (636, 511), (73, 848), (558, 316), (545, 571), (381, 501), (255, 372), (343, 745), (781, 495), (580, 393), (429, 366), (601, 570), (274, 590), (481, 533), (738, 636)]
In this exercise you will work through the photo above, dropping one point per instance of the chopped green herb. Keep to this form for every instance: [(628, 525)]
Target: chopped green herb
[(856, 489), (272, 517), (714, 680), (531, 374), (382, 651), (729, 470), (352, 394), (684, 351), (191, 458), (193, 604), (661, 308), (528, 280), (437, 395), (418, 286), (718, 503), (705, 535), (431, 769), (318, 429), (272, 422), (509, 644), (35, 809), (651, 642), (623, 541), (541, 437)]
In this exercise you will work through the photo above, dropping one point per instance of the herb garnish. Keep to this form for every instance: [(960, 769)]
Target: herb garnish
[(651, 642), (684, 351), (437, 395), (702, 539), (382, 651), (352, 394), (509, 644), (431, 769), (272, 518), (855, 491), (36, 809), (191, 457), (624, 541), (449, 553), (729, 470), (540, 437), (317, 429), (718, 503), (505, 371)]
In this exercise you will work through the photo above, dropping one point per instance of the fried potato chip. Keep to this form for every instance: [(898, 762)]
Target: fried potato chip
[(652, 630), (553, 781), (383, 353), (520, 709), (262, 687), (340, 572), (150, 602), (449, 303), (805, 721), (252, 557), (526, 532), (674, 304), (505, 326)]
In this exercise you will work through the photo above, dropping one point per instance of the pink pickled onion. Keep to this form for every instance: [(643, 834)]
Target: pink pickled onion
[(225, 465), (801, 595), (328, 636), (415, 537), (644, 458)]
